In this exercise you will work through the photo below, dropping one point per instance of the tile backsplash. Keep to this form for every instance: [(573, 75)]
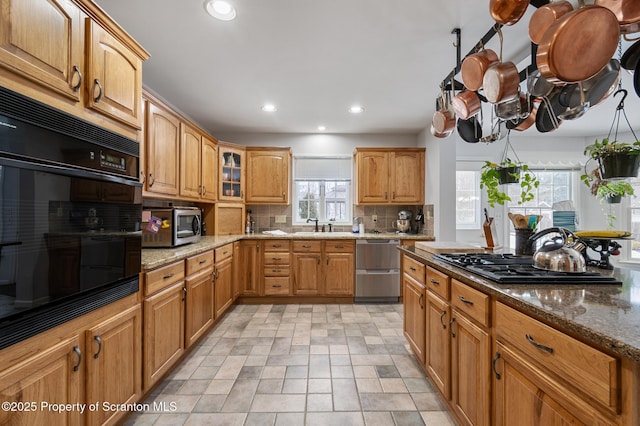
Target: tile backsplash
[(265, 218)]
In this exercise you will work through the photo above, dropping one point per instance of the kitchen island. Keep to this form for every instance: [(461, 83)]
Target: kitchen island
[(525, 353)]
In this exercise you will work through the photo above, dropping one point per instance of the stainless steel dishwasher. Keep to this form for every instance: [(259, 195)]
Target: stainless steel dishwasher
[(377, 271)]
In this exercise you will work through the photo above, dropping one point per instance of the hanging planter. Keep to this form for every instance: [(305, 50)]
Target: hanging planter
[(613, 199), (508, 174), (619, 165)]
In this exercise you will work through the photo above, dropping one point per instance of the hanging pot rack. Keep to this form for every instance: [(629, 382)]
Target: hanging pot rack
[(449, 83)]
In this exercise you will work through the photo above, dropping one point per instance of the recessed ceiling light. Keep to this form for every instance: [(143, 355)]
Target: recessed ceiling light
[(221, 10), (321, 128), (269, 108), (356, 109)]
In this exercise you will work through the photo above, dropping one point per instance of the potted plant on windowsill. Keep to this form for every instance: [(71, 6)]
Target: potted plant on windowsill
[(495, 174), (616, 160)]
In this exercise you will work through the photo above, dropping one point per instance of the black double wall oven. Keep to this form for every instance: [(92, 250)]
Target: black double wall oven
[(71, 207)]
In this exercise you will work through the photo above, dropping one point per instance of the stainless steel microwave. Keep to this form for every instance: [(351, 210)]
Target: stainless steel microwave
[(171, 227)]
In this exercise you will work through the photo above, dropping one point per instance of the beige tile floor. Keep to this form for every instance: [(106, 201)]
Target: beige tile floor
[(299, 365)]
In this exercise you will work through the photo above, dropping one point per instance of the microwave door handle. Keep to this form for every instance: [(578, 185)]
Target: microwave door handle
[(195, 225)]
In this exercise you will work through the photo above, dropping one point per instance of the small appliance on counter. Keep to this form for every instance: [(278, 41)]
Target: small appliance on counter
[(170, 226), (403, 224)]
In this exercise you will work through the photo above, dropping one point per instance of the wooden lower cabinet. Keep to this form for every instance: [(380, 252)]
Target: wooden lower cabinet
[(307, 272), (339, 266), (199, 311), (236, 279), (323, 268), (250, 267), (114, 364), (223, 293), (54, 375), (414, 315), (163, 332), (438, 343)]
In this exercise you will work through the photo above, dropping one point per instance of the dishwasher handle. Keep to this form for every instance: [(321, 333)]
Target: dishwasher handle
[(376, 271)]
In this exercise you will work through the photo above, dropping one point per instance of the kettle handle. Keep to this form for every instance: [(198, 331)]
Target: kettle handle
[(554, 245)]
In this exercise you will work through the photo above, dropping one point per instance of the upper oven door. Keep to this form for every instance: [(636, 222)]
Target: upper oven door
[(187, 223)]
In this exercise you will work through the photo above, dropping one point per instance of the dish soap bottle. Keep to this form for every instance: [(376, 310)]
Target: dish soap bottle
[(247, 225), (356, 225)]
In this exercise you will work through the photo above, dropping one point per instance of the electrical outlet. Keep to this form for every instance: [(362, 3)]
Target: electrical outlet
[(280, 218), (374, 217)]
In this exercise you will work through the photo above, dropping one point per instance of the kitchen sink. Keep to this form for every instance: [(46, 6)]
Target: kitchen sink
[(328, 234)]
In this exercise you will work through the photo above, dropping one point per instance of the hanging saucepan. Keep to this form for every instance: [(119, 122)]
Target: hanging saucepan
[(538, 86), (474, 66), (546, 15), (466, 104), (439, 134), (501, 82), (508, 110), (631, 56), (578, 45), (636, 79), (470, 130), (444, 120), (548, 110), (498, 132), (524, 123), (507, 12), (576, 111), (596, 89), (627, 12)]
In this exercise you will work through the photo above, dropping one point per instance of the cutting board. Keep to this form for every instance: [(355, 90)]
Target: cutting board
[(447, 247)]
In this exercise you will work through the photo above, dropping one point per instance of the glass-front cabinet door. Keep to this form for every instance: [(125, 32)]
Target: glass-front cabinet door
[(231, 173)]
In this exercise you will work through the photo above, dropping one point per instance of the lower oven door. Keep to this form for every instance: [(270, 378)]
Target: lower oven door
[(374, 286)]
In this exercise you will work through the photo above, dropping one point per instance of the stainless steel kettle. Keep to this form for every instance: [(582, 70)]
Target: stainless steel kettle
[(560, 253)]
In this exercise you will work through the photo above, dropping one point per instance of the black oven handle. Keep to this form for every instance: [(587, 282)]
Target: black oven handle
[(63, 169)]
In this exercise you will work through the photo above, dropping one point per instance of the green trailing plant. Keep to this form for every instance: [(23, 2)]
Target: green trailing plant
[(605, 148), (490, 180), (603, 189)]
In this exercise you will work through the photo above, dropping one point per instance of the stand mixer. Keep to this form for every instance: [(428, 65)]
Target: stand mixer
[(403, 224)]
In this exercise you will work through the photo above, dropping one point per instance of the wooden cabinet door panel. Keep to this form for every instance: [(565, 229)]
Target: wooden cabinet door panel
[(413, 297), (406, 179), (373, 177), (199, 305), (114, 77), (339, 274), (114, 359), (268, 177), (42, 41), (52, 376), (438, 343), (209, 169), (470, 371), (163, 332), (190, 143), (163, 151), (251, 267), (306, 273), (223, 289)]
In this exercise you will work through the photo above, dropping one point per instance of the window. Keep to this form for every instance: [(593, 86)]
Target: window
[(322, 189), (467, 199), (555, 186), (634, 214)]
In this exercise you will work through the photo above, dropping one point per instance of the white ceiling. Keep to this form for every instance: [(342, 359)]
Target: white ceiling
[(314, 59)]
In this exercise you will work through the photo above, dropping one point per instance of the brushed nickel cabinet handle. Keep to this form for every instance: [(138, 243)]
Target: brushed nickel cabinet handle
[(96, 82), (493, 365), (466, 301), (451, 327), (435, 282), (444, 312), (99, 340), (76, 349)]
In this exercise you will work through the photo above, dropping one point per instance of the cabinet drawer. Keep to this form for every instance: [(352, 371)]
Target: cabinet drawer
[(414, 269), (276, 285), (224, 252), (279, 245), (276, 271), (199, 262), (438, 282), (162, 277), (587, 369), (306, 246), (339, 246), (472, 302), (276, 258)]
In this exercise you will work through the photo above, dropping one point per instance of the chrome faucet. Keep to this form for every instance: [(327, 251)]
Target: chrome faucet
[(314, 220)]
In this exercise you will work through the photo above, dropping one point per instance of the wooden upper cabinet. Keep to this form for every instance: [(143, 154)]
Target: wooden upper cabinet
[(231, 172), (114, 77), (209, 169), (42, 41), (190, 160), (162, 148), (268, 175), (390, 175)]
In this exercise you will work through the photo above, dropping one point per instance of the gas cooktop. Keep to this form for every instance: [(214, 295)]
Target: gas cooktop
[(511, 269)]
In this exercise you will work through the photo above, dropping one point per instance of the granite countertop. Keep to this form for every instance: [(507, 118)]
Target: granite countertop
[(155, 257), (607, 315)]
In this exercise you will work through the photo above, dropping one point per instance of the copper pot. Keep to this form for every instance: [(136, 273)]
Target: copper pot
[(501, 82), (443, 121), (529, 121), (627, 12), (507, 12), (578, 45), (439, 134), (466, 104), (474, 66), (546, 15)]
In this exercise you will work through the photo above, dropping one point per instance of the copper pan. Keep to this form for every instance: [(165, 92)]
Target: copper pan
[(501, 82), (627, 12), (546, 15), (466, 104), (507, 12), (529, 121), (437, 134), (578, 45), (474, 66)]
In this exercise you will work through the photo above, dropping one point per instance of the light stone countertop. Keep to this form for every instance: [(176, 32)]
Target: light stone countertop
[(607, 315), (155, 257)]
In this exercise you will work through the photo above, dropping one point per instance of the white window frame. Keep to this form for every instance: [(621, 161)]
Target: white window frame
[(477, 224)]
